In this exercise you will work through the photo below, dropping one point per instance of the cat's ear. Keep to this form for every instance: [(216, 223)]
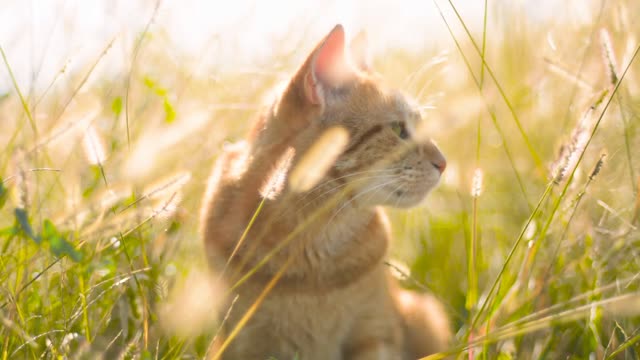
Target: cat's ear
[(359, 48), (326, 67)]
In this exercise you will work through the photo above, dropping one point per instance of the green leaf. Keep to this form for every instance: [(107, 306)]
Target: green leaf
[(169, 111), (8, 231), (60, 247), (504, 356), (130, 200), (146, 355), (173, 227), (23, 220), (49, 230), (162, 92), (4, 194), (148, 82), (116, 106), (93, 182), (57, 243)]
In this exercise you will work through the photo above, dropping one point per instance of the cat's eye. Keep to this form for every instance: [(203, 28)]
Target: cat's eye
[(400, 129)]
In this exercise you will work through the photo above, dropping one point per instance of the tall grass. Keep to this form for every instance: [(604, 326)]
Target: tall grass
[(101, 179)]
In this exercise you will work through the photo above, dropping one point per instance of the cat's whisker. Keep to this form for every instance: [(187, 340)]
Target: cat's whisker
[(388, 194), (358, 195), (397, 201), (379, 166), (332, 189), (385, 171), (327, 192), (333, 200)]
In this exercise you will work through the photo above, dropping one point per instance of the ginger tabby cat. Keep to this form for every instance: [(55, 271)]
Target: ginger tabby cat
[(334, 297)]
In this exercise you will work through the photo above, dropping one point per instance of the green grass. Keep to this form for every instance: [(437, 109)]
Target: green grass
[(101, 182)]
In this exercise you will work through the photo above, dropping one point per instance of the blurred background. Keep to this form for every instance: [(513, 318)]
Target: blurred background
[(42, 37), (113, 112)]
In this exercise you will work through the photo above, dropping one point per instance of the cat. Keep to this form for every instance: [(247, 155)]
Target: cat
[(326, 244)]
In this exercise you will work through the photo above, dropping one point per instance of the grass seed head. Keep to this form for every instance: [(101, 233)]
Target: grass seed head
[(598, 167), (277, 179), (608, 56), (476, 183)]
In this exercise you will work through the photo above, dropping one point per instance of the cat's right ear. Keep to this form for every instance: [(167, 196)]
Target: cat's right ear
[(326, 67), (359, 48)]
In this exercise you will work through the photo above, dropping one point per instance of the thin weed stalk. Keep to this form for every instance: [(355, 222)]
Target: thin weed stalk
[(490, 110), (627, 143), (530, 258), (472, 244), (472, 248), (23, 101), (611, 67), (507, 261), (508, 332), (85, 312), (624, 346), (254, 307), (532, 151), (572, 303), (583, 63), (243, 237), (574, 210), (636, 210), (136, 51), (85, 78)]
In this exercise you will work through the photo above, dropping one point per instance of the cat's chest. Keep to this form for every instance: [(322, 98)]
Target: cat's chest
[(318, 322), (319, 314), (312, 319)]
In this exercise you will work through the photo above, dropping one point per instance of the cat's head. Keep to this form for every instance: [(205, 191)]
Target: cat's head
[(389, 163)]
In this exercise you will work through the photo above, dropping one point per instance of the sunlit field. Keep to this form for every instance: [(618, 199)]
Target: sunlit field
[(531, 240)]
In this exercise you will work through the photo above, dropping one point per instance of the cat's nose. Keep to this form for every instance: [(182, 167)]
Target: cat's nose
[(435, 156), (440, 164), (438, 160)]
